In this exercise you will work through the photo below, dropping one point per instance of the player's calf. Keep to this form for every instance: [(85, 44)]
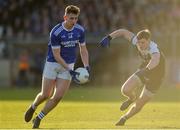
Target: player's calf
[(126, 104)]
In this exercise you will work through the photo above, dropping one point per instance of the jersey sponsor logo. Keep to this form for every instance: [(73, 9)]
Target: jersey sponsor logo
[(70, 43)]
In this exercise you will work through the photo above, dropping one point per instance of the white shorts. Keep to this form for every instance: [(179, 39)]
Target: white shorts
[(146, 92), (53, 70)]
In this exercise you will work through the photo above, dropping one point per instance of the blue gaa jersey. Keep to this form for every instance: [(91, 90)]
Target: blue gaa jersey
[(67, 41)]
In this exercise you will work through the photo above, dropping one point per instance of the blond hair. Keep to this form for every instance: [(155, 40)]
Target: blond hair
[(72, 9), (146, 34)]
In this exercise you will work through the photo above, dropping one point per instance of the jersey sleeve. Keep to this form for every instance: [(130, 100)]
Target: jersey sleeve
[(134, 40), (154, 48), (82, 38), (54, 41)]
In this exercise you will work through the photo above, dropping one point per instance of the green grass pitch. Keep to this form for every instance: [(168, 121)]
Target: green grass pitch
[(91, 108)]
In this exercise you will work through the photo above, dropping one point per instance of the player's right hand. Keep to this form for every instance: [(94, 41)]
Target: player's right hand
[(88, 69), (73, 75), (143, 74), (105, 42)]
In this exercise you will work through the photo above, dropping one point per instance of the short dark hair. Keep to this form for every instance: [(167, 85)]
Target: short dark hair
[(146, 34), (72, 9)]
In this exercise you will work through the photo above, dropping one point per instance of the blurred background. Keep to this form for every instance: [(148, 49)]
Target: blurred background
[(25, 27)]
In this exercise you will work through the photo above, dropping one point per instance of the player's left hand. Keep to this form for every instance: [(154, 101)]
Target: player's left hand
[(144, 72), (105, 42), (73, 75), (88, 69)]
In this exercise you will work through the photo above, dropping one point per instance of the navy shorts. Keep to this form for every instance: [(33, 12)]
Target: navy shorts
[(152, 80)]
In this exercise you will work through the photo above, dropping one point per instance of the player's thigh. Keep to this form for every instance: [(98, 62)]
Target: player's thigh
[(47, 86), (131, 83), (144, 97), (62, 85), (64, 74)]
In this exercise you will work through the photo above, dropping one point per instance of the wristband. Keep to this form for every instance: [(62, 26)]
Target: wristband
[(109, 37)]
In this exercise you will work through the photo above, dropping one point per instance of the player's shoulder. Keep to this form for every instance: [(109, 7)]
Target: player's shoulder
[(57, 29), (134, 39), (154, 47), (79, 27), (153, 44)]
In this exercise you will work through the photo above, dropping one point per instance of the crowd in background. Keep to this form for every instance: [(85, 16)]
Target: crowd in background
[(30, 66), (26, 18)]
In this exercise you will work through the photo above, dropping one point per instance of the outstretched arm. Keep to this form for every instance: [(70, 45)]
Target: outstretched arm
[(105, 42), (84, 55), (122, 33)]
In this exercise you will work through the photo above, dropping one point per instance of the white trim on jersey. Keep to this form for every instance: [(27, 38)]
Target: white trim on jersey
[(59, 30), (82, 44), (55, 47)]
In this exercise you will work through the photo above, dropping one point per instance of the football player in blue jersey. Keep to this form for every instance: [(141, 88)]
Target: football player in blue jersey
[(149, 74), (64, 40)]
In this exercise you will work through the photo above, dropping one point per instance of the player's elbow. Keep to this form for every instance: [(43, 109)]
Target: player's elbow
[(121, 32)]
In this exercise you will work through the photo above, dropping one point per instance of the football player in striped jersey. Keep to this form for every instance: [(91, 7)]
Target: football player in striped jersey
[(149, 74)]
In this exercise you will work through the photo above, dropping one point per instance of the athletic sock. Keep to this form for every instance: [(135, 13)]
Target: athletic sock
[(41, 115)]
